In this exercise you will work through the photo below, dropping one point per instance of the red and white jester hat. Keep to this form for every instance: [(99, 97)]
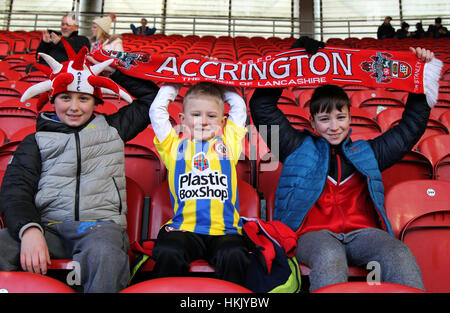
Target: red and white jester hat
[(73, 75)]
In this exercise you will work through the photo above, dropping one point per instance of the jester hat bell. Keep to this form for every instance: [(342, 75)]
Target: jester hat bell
[(74, 75)]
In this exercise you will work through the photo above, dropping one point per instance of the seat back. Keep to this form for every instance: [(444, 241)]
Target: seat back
[(142, 162), (374, 101), (419, 212), (3, 137), (445, 119), (364, 287), (437, 149), (186, 285), (414, 165), (362, 121), (12, 123), (269, 171), (135, 204), (24, 282), (353, 271), (2, 173)]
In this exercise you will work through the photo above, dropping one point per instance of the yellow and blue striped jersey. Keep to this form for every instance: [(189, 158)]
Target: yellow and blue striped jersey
[(203, 181)]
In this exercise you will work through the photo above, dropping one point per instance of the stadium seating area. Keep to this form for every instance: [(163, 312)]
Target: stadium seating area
[(426, 167)]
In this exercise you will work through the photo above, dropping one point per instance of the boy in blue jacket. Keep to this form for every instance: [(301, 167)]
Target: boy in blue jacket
[(330, 190)]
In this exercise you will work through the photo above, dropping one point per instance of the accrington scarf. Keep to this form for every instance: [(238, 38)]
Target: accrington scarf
[(373, 68)]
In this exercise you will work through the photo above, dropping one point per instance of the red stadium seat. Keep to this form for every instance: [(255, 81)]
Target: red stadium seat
[(364, 287), (391, 116), (437, 150), (161, 211), (298, 117), (419, 212), (414, 165), (185, 285), (375, 100), (445, 119), (34, 77), (441, 106), (244, 169), (11, 123), (9, 75), (304, 96), (22, 133), (142, 162), (365, 135), (24, 282), (20, 58), (2, 173), (135, 205), (6, 152), (3, 137), (269, 170), (287, 97), (12, 89), (106, 108), (362, 121)]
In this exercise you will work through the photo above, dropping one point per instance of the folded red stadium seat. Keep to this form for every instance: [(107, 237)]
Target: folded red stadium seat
[(437, 149), (169, 285), (141, 157), (375, 100), (391, 116), (353, 271), (136, 208), (445, 119), (365, 287)]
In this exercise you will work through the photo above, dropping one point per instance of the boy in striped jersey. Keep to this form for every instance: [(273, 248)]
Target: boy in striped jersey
[(203, 182)]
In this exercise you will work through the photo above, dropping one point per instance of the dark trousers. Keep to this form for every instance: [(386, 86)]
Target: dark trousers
[(175, 250)]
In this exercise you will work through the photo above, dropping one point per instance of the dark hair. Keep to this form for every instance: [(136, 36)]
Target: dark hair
[(438, 20), (326, 98), (205, 89)]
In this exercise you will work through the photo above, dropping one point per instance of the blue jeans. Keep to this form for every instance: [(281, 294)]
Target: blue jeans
[(329, 254)]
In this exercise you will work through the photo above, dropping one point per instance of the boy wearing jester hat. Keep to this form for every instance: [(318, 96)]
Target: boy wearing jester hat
[(63, 194), (203, 182)]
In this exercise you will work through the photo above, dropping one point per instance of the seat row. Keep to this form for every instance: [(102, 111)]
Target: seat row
[(418, 210)]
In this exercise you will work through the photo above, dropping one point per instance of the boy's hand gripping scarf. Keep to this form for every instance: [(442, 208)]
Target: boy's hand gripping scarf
[(372, 68)]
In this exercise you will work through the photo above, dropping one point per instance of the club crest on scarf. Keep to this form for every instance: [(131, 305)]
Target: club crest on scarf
[(126, 59), (75, 75), (383, 68)]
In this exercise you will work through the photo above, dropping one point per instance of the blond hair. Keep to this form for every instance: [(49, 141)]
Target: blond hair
[(205, 89)]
